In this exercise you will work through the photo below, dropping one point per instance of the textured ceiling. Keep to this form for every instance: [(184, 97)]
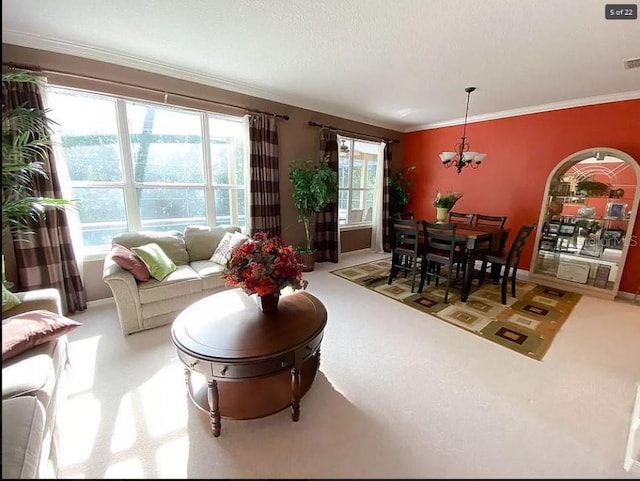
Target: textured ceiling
[(401, 64)]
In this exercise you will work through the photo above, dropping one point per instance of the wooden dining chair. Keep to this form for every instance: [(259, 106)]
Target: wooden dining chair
[(406, 249), (508, 264), (490, 220), (440, 251), (460, 218)]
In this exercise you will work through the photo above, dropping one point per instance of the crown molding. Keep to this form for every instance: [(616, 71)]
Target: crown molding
[(125, 60), (602, 99), (139, 63)]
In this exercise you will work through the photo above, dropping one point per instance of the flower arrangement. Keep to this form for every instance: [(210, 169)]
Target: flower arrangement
[(263, 265), (448, 200)]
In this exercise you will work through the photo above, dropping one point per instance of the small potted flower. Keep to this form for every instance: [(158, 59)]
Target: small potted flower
[(264, 266), (444, 203)]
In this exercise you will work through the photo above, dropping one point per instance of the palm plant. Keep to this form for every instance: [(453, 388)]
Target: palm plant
[(26, 138)]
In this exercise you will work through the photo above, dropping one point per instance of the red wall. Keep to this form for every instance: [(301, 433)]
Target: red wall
[(522, 152)]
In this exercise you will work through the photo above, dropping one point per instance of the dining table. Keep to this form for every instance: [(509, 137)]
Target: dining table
[(472, 238)]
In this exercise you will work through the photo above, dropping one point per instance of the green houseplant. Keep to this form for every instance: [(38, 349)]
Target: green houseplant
[(399, 194), (26, 138), (592, 188), (314, 186)]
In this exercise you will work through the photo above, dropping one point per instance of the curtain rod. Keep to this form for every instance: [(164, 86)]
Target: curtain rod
[(322, 126), (36, 69)]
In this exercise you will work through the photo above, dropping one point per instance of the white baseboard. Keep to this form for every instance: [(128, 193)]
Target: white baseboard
[(100, 302)]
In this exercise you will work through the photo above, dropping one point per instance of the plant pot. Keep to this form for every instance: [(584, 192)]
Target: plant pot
[(441, 214), (307, 259), (269, 302)]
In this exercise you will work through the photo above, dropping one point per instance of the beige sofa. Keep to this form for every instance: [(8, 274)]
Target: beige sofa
[(145, 305), (33, 387)]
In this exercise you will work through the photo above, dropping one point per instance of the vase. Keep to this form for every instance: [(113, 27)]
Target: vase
[(269, 302), (441, 214)]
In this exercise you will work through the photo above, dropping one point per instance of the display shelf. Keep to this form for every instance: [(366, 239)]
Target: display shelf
[(579, 253)]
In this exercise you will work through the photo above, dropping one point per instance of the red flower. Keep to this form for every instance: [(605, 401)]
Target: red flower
[(263, 265)]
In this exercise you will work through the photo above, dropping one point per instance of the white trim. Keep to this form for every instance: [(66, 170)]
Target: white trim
[(101, 302), (566, 104)]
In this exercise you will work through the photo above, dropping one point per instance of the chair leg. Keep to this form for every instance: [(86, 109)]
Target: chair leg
[(513, 282), (483, 269), (505, 278), (446, 291), (423, 269)]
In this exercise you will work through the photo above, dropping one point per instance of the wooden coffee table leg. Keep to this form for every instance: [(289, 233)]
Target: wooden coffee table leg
[(295, 393), (214, 409)]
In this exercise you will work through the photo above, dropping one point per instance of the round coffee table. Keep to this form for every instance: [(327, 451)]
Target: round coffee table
[(255, 364)]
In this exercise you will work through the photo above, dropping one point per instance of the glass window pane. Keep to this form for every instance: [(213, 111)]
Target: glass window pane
[(171, 208), (166, 144), (227, 151), (357, 174), (343, 170), (370, 181), (357, 199), (86, 135), (101, 212)]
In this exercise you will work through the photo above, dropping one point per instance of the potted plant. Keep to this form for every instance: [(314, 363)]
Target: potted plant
[(444, 203), (26, 138), (314, 186), (592, 188), (399, 185)]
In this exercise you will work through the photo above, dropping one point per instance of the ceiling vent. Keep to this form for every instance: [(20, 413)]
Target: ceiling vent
[(632, 63)]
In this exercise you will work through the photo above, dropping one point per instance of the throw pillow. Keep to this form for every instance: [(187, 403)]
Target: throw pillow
[(230, 240), (9, 299), (158, 263), (129, 261), (29, 329), (202, 241)]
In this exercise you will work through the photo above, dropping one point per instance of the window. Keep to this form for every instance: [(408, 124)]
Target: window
[(357, 165), (135, 165)]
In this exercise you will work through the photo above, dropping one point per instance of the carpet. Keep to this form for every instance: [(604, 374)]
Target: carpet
[(527, 324)]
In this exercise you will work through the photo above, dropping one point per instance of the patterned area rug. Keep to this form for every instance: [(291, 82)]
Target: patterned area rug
[(527, 324)]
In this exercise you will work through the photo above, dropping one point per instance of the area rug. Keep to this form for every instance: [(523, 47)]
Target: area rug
[(527, 324)]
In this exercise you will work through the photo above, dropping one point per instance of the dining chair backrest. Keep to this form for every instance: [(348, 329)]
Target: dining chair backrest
[(406, 215), (461, 218), (405, 236), (517, 246), (439, 238), (490, 220)]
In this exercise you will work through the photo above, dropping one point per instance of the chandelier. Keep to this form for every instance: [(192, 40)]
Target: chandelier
[(462, 157)]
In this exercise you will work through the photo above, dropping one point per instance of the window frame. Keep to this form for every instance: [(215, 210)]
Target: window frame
[(350, 141), (128, 184)]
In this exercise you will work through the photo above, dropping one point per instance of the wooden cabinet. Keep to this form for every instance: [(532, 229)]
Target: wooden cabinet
[(586, 222)]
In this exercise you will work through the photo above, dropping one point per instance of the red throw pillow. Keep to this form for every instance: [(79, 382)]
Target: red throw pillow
[(29, 329), (129, 260)]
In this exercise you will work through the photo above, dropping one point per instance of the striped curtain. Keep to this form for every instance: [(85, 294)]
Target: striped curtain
[(45, 257), (326, 231), (386, 224), (264, 174)]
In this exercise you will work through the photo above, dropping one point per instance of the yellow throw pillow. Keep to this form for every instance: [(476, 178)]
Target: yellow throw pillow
[(158, 263), (9, 299)]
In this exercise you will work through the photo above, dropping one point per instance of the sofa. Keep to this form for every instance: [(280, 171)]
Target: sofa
[(148, 304), (33, 388)]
